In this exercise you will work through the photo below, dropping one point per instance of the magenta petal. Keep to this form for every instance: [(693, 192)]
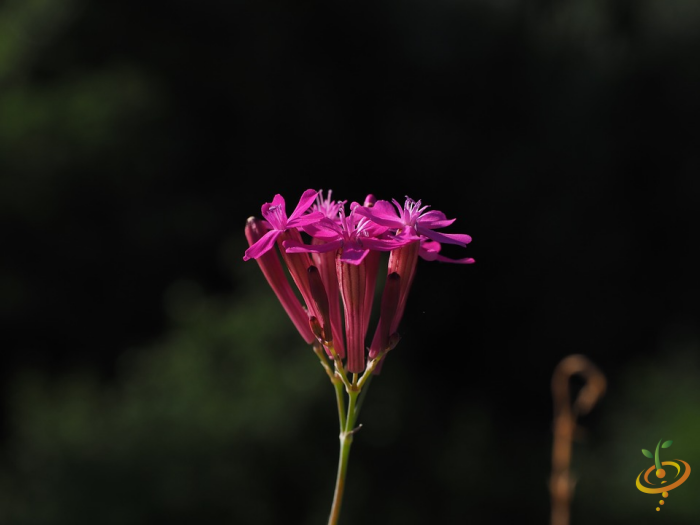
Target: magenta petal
[(385, 245), (324, 230), (278, 200), (435, 215), (432, 225), (432, 246), (430, 251), (461, 239), (306, 220), (433, 255), (352, 255), (298, 247), (307, 199), (276, 218), (263, 245), (466, 260), (382, 213)]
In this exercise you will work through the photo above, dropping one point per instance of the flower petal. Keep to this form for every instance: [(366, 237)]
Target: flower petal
[(263, 245), (275, 214), (382, 213), (306, 220), (461, 239), (298, 247), (325, 229), (305, 202), (353, 255), (429, 251)]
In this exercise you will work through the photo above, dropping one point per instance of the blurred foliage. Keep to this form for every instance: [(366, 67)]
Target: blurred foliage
[(205, 425)]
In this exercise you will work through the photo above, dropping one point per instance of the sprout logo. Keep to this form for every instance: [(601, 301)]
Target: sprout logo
[(649, 486)]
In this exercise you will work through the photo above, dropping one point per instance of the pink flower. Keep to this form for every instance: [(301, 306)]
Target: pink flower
[(412, 221), (274, 273), (336, 269), (277, 221), (354, 235)]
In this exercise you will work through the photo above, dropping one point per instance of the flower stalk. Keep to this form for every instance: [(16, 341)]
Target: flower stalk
[(356, 391)]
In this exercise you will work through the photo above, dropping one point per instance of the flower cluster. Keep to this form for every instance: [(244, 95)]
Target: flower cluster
[(336, 269)]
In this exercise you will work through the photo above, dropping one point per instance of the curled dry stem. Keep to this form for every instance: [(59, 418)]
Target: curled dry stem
[(561, 484)]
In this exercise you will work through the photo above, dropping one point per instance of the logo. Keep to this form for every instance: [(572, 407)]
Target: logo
[(660, 483)]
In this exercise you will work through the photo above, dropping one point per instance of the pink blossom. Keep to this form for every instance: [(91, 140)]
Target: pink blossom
[(336, 270), (412, 221), (354, 235), (277, 221), (274, 273)]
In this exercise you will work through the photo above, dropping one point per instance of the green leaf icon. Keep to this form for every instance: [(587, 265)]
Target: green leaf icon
[(647, 453), (667, 444)]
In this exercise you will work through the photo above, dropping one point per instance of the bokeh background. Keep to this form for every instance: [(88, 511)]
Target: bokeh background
[(149, 375)]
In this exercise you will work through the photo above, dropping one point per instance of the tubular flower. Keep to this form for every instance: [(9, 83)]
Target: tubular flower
[(325, 262), (274, 273), (351, 278), (333, 258)]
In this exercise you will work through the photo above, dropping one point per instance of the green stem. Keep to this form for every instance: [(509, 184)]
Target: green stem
[(338, 384), (657, 462), (346, 437)]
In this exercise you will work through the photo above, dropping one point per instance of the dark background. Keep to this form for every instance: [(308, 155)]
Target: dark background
[(148, 373)]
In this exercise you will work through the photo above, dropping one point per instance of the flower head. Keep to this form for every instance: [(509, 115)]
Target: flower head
[(336, 270)]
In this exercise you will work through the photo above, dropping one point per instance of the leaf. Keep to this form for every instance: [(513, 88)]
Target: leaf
[(647, 453), (667, 444)]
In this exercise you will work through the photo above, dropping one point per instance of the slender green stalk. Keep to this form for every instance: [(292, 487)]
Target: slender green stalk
[(346, 438), (356, 390), (341, 403)]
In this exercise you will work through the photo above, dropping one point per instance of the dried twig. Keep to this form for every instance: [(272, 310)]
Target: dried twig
[(561, 484)]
